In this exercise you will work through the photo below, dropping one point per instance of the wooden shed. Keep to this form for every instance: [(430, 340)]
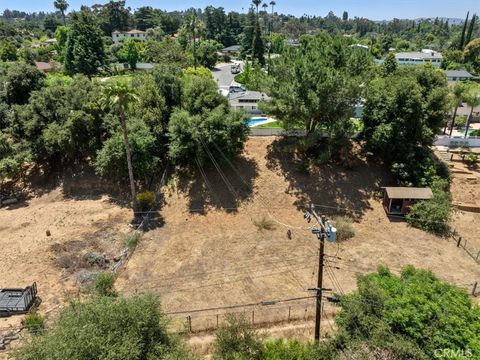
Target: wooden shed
[(397, 200)]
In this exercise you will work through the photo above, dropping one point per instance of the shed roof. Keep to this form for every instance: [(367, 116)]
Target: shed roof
[(409, 193)]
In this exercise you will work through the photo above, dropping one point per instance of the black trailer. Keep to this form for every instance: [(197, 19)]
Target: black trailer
[(17, 301)]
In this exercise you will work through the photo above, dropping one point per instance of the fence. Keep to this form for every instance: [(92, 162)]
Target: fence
[(471, 141), (255, 315), (257, 131), (467, 246)]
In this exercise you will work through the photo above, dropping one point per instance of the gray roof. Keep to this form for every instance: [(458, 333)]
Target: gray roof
[(253, 96), (232, 48), (409, 193), (458, 73), (418, 55)]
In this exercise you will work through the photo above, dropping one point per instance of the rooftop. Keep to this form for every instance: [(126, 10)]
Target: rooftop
[(458, 73), (409, 193), (248, 95), (134, 31), (419, 55), (232, 48)]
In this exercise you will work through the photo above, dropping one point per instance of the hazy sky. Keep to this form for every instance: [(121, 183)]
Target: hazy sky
[(373, 9)]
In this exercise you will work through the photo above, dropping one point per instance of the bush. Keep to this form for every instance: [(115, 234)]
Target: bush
[(104, 284), (107, 328), (237, 341), (34, 323), (146, 200), (343, 224), (460, 121), (264, 224), (432, 215), (471, 159), (131, 240), (94, 258)]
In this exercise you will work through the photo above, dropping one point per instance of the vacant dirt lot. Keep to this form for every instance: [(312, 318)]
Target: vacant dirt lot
[(78, 225), (210, 251)]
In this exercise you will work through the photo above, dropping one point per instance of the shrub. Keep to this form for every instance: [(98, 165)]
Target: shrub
[(343, 224), (237, 341), (432, 215), (94, 258), (471, 159), (264, 224), (460, 121), (107, 328), (475, 132), (146, 200), (131, 240), (34, 323), (104, 284)]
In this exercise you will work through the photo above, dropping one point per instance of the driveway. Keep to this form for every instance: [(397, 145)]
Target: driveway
[(222, 75)]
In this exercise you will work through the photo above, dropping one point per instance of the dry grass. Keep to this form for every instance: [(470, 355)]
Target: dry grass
[(264, 224)]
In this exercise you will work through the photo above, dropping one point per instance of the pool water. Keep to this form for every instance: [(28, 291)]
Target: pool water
[(255, 121)]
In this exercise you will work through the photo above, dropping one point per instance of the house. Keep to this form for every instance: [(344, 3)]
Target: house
[(458, 75), (419, 57), (397, 200), (231, 50), (359, 46), (247, 100), (118, 36)]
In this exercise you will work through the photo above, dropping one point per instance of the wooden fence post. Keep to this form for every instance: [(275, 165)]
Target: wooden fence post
[(253, 317), (289, 309), (217, 321), (459, 241), (189, 320), (474, 290)]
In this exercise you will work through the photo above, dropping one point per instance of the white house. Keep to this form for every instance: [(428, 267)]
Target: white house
[(118, 36), (419, 57), (247, 100)]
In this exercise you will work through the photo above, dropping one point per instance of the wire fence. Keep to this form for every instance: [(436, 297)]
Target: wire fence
[(256, 316), (469, 247)]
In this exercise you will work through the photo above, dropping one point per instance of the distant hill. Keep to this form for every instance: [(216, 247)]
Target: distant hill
[(451, 21)]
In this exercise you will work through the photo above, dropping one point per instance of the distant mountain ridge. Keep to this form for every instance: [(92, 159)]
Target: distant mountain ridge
[(451, 21)]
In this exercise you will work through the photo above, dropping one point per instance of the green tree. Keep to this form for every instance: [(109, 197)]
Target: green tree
[(118, 96), (458, 92), (208, 53), (131, 53), (111, 328), (62, 6), (390, 64), (472, 54), (258, 48), (113, 16), (18, 82), (462, 39), (194, 26), (237, 341), (472, 98), (473, 21), (85, 49), (8, 50), (146, 17)]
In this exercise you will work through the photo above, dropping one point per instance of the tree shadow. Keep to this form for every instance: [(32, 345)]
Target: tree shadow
[(331, 187), (225, 188)]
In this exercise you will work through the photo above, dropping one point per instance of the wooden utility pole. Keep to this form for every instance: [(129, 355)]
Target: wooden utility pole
[(322, 233)]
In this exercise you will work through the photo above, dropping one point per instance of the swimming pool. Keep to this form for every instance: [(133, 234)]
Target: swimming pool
[(256, 121)]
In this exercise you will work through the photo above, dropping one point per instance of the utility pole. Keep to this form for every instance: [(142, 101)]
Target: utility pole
[(324, 232)]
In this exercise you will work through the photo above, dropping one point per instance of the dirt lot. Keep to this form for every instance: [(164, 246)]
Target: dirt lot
[(210, 253), (78, 225)]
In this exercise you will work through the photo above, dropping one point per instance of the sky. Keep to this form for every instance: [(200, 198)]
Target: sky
[(372, 9)]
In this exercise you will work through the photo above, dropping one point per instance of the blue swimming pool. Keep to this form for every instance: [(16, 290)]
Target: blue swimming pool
[(255, 121)]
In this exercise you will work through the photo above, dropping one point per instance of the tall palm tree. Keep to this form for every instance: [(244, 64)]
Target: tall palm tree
[(265, 6), (458, 92), (272, 4), (473, 100), (118, 96), (257, 4), (62, 6), (194, 26)]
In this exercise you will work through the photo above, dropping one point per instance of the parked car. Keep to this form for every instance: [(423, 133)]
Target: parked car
[(236, 89), (235, 69)]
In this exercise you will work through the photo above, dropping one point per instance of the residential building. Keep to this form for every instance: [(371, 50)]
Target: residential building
[(231, 50), (118, 36), (419, 57), (360, 46), (247, 100), (398, 200), (458, 75), (44, 67)]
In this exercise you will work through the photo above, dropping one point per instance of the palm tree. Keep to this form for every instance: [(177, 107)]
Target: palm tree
[(257, 4), (62, 6), (458, 92), (194, 26), (272, 4), (473, 100), (118, 96), (265, 6)]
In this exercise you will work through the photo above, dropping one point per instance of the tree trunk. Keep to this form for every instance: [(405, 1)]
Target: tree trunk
[(468, 123), (63, 16), (453, 120), (123, 123)]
